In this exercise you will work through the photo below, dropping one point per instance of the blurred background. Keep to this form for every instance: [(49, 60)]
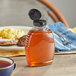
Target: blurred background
[(15, 12)]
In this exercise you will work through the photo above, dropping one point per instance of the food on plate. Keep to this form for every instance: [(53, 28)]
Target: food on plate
[(21, 41), (10, 36), (74, 30), (11, 33), (4, 42)]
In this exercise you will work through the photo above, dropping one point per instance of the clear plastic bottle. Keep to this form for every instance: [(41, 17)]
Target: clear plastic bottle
[(39, 45)]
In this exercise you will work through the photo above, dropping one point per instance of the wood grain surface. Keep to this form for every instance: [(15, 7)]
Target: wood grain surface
[(63, 65)]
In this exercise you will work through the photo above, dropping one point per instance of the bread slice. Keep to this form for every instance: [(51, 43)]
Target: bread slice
[(14, 50), (5, 42)]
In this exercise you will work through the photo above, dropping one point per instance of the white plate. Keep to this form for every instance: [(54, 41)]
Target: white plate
[(14, 47)]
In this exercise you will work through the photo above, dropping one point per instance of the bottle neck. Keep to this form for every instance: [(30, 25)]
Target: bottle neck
[(44, 28), (39, 27)]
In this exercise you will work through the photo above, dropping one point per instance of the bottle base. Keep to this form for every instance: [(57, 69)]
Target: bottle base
[(33, 64)]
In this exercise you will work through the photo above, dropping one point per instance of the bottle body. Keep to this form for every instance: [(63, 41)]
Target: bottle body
[(39, 47)]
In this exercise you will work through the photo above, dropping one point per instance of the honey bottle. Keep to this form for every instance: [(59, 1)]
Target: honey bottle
[(39, 45)]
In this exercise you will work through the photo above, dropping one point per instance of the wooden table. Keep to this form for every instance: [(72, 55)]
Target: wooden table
[(64, 65)]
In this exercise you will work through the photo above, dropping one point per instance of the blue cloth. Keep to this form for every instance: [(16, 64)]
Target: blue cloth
[(65, 33)]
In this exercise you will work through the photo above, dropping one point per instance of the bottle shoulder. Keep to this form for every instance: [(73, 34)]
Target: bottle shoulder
[(35, 30)]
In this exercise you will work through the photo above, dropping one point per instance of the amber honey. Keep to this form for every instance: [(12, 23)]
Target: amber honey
[(4, 64), (39, 48)]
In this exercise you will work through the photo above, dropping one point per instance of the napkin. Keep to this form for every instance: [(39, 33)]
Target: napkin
[(60, 32)]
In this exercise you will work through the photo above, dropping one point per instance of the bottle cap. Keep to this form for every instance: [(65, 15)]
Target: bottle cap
[(34, 14), (39, 23)]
